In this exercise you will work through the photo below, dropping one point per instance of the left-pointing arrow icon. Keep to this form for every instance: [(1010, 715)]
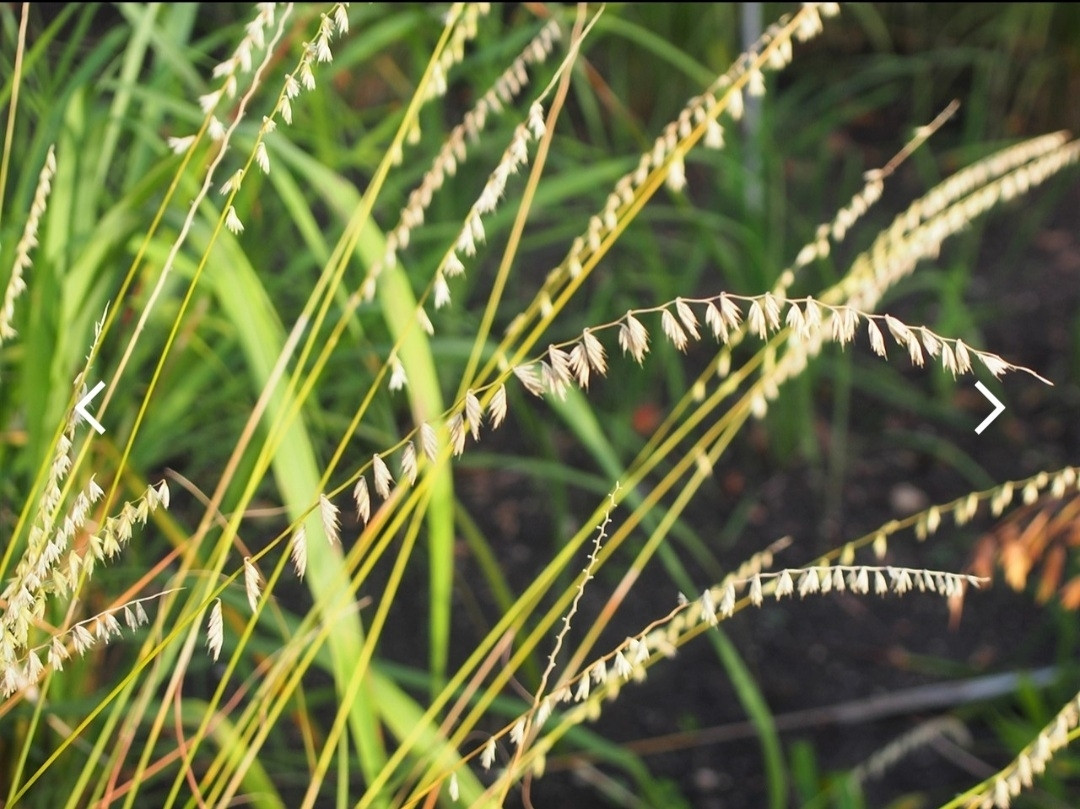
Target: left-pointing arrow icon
[(998, 407), (80, 408)]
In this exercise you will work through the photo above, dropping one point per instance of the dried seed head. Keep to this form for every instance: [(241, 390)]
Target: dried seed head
[(634, 338), (473, 414), (398, 379), (409, 466), (298, 551), (673, 331), (363, 499), (877, 341), (383, 478), (215, 631), (328, 513), (252, 586), (497, 407), (429, 441)]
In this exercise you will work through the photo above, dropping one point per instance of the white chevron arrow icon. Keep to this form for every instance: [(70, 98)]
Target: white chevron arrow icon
[(998, 407), (80, 408)]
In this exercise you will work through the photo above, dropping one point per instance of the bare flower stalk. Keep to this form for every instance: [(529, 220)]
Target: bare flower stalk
[(586, 577)]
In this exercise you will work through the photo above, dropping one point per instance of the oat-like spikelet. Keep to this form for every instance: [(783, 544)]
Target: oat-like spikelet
[(755, 320), (456, 427), (877, 341), (298, 551), (497, 407), (398, 379), (383, 479), (527, 376), (453, 789), (487, 757), (328, 513), (232, 221), (262, 158), (252, 583), (362, 499), (215, 630), (429, 441), (179, 145), (473, 414), (409, 465), (594, 352), (673, 331), (633, 338)]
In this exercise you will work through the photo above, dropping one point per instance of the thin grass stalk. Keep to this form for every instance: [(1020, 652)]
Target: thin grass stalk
[(715, 448), (13, 104), (328, 347), (562, 76), (250, 716), (641, 196), (543, 624), (346, 247), (565, 557), (181, 238), (468, 693), (425, 396), (397, 516), (378, 621), (172, 689)]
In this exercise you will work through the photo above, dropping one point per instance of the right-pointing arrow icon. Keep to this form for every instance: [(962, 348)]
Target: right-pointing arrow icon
[(998, 407)]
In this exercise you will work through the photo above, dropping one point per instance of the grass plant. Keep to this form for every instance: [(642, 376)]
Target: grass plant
[(349, 274)]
